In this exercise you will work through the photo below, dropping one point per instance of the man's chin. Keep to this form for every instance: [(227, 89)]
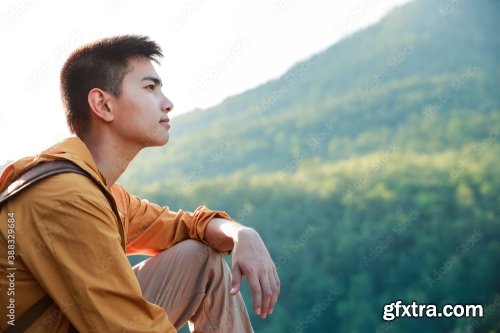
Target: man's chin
[(158, 140)]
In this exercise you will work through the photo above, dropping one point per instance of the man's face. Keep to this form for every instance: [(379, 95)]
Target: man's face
[(140, 116)]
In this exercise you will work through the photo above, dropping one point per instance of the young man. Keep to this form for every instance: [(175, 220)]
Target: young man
[(71, 242)]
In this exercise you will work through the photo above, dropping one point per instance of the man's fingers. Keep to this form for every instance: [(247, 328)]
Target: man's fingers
[(256, 290), (278, 283), (274, 280), (265, 291), (267, 295), (235, 280)]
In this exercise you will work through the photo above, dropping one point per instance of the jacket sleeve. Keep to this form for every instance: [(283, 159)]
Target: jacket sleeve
[(80, 262), (151, 228)]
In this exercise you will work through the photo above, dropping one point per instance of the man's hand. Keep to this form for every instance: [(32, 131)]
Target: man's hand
[(251, 258)]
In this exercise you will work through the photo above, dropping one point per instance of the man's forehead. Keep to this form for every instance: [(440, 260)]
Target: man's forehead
[(141, 67)]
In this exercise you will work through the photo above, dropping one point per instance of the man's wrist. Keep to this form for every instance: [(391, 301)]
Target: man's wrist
[(222, 234), (244, 231)]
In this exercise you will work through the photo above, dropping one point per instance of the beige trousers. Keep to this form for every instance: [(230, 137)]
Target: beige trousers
[(192, 283)]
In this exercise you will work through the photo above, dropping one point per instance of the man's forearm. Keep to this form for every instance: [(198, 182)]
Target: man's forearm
[(221, 234)]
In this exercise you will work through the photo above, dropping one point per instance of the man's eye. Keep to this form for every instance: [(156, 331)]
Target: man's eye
[(151, 87)]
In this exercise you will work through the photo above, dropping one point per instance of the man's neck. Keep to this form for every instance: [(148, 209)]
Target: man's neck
[(111, 157)]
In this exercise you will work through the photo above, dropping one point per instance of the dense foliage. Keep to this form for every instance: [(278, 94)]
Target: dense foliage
[(370, 170)]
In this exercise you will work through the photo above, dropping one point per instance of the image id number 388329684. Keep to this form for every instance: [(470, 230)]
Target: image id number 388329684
[(11, 269)]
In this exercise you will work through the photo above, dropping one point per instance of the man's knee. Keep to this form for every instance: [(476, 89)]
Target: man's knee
[(196, 251), (189, 257)]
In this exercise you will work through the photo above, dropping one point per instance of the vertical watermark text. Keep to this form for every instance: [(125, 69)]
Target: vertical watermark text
[(11, 268)]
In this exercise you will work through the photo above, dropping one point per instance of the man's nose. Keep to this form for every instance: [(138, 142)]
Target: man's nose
[(167, 105)]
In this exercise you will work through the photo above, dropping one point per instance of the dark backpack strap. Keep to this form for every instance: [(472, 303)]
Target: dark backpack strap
[(72, 329), (38, 172), (46, 169), (30, 315)]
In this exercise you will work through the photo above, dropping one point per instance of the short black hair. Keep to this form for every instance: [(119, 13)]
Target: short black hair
[(101, 64)]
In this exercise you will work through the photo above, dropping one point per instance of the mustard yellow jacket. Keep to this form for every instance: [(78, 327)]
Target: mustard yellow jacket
[(70, 244)]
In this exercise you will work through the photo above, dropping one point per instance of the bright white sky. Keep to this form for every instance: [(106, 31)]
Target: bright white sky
[(213, 49)]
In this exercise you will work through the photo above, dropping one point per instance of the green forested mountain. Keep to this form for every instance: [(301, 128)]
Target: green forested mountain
[(413, 78), (370, 170)]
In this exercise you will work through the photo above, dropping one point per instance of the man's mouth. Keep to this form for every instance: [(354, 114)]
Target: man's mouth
[(165, 121)]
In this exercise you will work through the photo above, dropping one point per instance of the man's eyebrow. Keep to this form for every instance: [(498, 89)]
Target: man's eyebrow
[(156, 80)]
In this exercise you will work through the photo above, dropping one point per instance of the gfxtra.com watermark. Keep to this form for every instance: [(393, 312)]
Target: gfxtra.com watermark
[(399, 310)]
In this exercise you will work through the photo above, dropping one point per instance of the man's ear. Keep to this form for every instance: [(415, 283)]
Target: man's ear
[(98, 101)]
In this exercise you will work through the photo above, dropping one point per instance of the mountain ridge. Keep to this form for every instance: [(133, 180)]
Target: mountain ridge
[(390, 70)]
